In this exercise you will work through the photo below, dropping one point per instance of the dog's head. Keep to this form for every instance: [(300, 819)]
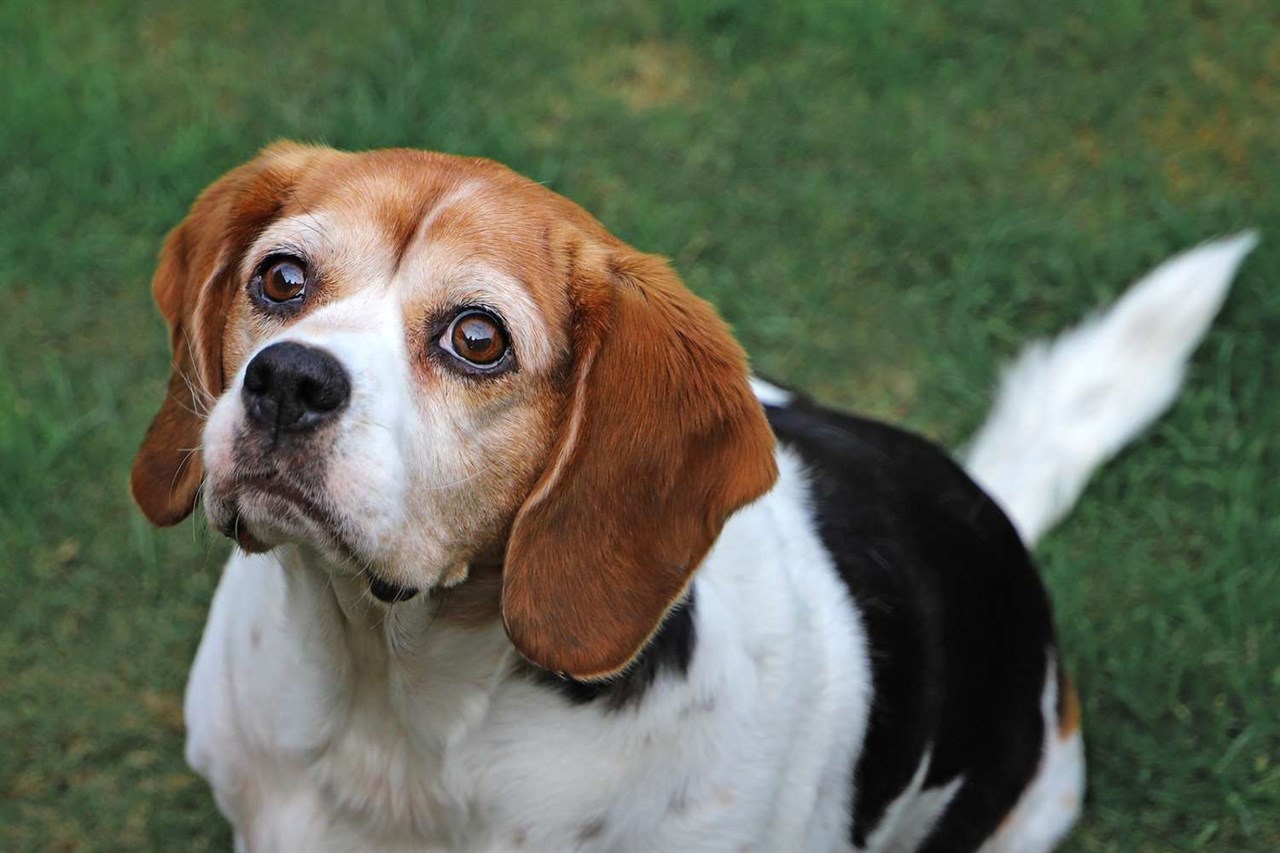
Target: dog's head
[(412, 363)]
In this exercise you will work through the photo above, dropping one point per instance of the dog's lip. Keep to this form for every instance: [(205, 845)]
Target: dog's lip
[(238, 533), (275, 486)]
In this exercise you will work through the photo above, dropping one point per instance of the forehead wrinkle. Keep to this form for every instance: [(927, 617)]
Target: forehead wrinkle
[(405, 208), (432, 208), (403, 230)]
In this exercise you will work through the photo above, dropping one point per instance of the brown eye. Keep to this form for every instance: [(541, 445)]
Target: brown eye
[(283, 280), (476, 337)]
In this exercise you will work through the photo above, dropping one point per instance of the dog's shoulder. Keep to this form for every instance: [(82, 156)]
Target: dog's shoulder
[(870, 476)]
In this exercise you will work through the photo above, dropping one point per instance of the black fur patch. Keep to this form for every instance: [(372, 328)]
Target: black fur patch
[(957, 621), (670, 650)]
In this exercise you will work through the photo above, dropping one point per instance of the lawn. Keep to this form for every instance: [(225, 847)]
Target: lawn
[(884, 198)]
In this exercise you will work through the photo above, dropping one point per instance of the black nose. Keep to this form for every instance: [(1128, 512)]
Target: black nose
[(293, 388)]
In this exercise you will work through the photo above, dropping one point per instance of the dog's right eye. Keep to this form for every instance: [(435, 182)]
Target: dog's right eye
[(280, 280), (477, 340)]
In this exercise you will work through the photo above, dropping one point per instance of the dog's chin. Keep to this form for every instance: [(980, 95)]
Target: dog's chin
[(248, 543), (261, 517)]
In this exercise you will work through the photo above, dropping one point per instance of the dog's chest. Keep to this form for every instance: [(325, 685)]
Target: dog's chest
[(383, 774), (514, 769), (309, 745), (423, 756)]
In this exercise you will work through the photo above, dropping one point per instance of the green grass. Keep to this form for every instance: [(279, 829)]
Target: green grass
[(884, 198)]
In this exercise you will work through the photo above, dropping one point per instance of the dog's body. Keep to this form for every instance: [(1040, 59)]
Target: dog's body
[(865, 658), (323, 723)]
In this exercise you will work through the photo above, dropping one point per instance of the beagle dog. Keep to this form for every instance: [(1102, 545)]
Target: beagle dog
[(528, 561)]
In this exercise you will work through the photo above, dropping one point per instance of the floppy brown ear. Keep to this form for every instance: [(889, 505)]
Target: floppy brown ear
[(663, 440), (193, 285)]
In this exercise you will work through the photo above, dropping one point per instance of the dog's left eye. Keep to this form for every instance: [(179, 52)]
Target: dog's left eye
[(477, 338), (281, 280)]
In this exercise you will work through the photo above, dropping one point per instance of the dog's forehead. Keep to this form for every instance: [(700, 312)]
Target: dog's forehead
[(441, 229), (406, 196)]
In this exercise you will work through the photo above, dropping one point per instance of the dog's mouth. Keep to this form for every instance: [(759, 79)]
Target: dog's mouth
[(274, 504), (279, 504)]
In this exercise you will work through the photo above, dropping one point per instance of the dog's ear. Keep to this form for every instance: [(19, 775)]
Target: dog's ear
[(193, 286), (662, 441)]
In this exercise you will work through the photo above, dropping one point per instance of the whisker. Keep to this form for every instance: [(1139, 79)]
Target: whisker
[(485, 470), (203, 387), (185, 407), (196, 395), (177, 473), (315, 225)]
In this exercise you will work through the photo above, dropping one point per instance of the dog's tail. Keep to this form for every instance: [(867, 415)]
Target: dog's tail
[(1068, 405)]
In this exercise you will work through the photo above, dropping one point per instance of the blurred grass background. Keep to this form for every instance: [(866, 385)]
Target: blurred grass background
[(884, 198)]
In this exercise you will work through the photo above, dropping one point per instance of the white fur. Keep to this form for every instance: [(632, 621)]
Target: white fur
[(1068, 405), (911, 816), (324, 720), (770, 394)]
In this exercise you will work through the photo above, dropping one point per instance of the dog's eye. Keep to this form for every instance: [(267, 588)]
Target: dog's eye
[(282, 279), (476, 337)]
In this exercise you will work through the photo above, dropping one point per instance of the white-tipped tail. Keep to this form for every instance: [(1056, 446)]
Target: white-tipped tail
[(1067, 405)]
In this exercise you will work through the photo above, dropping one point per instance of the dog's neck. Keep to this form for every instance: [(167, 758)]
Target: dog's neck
[(391, 693), (447, 647), (439, 637)]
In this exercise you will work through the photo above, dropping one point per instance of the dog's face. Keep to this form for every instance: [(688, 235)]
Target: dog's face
[(412, 363)]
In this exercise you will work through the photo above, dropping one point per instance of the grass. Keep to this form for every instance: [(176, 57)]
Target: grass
[(884, 198)]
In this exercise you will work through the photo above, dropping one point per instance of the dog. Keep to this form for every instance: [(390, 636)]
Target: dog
[(527, 559)]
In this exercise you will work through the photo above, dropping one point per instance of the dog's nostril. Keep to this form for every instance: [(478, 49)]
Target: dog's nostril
[(293, 387), (257, 376), (322, 395)]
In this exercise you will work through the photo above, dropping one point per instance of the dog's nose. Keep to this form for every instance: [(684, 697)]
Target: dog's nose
[(293, 388)]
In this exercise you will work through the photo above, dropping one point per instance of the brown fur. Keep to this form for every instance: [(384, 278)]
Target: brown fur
[(664, 442), (1068, 709)]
